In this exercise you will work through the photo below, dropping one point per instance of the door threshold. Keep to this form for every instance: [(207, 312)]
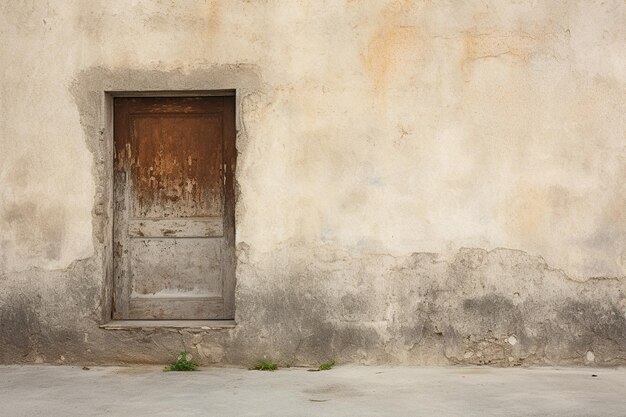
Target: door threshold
[(171, 324)]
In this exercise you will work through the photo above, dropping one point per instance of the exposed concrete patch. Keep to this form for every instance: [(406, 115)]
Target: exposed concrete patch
[(459, 311), (419, 309)]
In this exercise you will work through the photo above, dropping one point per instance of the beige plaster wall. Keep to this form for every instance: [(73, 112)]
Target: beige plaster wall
[(390, 127), (372, 128)]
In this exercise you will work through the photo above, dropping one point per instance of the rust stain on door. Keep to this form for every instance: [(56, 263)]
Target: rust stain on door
[(177, 168)]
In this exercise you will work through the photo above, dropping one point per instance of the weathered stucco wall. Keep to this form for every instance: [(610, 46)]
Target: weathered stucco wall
[(419, 182)]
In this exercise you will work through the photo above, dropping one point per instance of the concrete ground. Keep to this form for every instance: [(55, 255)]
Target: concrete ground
[(66, 391)]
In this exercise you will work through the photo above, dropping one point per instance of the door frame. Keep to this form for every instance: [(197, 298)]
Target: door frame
[(107, 137)]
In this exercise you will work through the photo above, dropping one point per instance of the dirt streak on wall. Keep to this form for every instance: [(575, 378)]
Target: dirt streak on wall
[(501, 307)]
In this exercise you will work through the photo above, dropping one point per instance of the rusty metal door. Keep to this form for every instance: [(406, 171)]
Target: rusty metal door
[(173, 225)]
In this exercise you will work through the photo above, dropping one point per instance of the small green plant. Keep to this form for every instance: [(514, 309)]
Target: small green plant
[(264, 365), (183, 363), (326, 366)]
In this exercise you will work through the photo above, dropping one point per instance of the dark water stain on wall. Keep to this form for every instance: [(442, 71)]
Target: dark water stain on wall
[(19, 321)]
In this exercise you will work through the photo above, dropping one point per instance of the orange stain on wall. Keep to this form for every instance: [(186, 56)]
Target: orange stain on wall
[(391, 42), (528, 209)]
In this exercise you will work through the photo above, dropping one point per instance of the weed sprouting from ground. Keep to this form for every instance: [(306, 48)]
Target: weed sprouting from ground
[(183, 363), (326, 366), (263, 365)]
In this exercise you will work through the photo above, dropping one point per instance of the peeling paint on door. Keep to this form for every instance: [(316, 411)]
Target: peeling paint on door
[(171, 228)]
